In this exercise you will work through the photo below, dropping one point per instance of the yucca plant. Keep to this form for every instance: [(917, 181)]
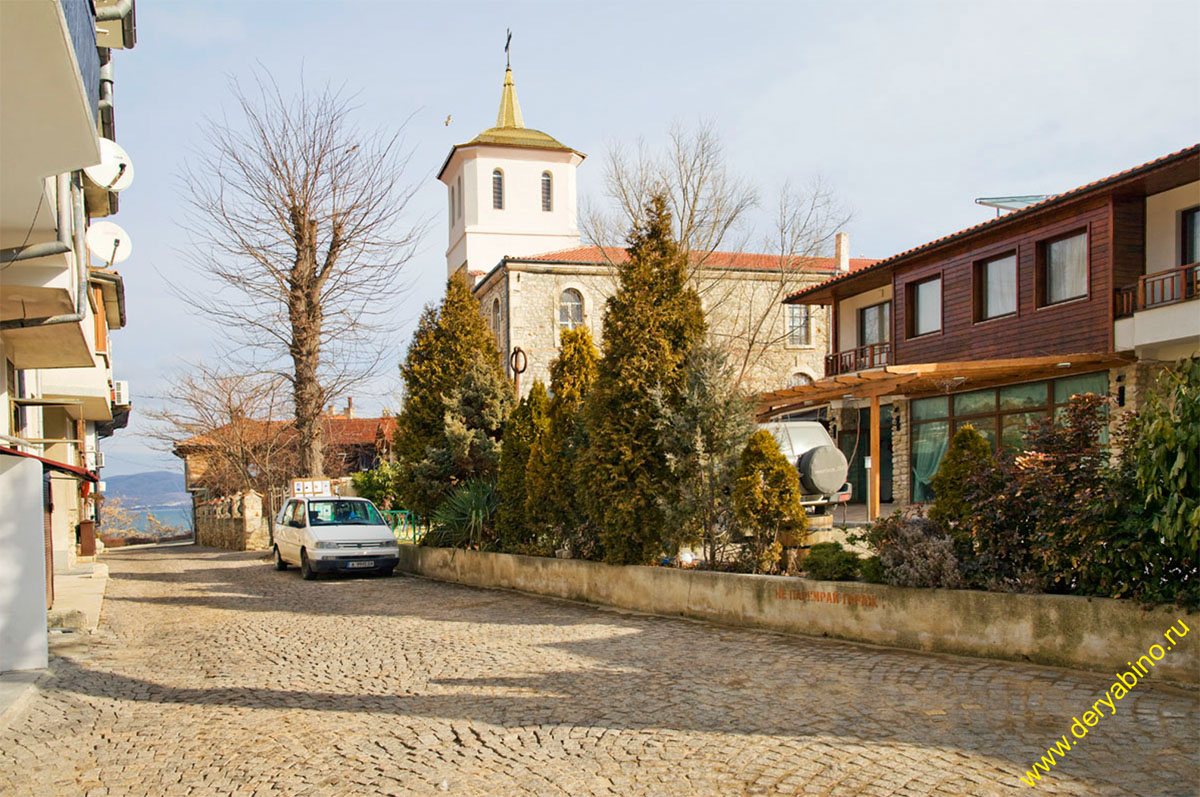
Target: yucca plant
[(466, 518)]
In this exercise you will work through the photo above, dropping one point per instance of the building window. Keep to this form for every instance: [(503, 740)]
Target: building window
[(799, 329), (496, 319), (1001, 415), (1064, 269), (547, 192), (570, 309), (925, 307), (875, 324), (800, 380), (1189, 222), (460, 197), (451, 204), (996, 286), (497, 189)]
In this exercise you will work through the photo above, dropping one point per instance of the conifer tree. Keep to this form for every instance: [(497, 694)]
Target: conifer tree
[(651, 324), (551, 504), (766, 498), (451, 342), (527, 428)]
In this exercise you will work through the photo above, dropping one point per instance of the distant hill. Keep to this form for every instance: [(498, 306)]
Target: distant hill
[(155, 489)]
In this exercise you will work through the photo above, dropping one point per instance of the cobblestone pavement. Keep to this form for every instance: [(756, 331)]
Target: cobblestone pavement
[(213, 674)]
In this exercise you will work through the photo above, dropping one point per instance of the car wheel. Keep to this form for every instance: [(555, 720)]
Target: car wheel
[(279, 563), (306, 571)]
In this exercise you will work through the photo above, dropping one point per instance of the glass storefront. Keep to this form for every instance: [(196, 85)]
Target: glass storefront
[(999, 414)]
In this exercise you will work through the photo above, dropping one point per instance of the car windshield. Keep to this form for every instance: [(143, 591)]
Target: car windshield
[(343, 513)]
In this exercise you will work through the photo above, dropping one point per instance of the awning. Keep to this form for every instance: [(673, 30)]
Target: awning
[(50, 464), (928, 379)]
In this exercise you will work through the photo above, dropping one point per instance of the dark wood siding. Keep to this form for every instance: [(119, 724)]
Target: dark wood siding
[(1081, 325)]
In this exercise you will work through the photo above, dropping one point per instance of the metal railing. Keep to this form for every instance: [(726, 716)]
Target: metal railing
[(406, 525), (1157, 290), (873, 355)]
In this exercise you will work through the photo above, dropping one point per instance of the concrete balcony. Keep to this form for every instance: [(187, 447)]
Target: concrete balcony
[(1158, 318), (90, 386)]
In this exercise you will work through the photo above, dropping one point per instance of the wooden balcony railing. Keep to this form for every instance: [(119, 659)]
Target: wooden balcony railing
[(873, 355), (1156, 290)]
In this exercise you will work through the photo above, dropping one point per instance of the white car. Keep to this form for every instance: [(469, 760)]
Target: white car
[(330, 534)]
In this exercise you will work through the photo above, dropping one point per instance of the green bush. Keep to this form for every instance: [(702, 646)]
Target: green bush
[(968, 455), (914, 551), (465, 519), (829, 561), (766, 501), (526, 427), (871, 570)]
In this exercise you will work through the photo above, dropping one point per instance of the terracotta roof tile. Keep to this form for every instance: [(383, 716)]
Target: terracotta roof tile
[(749, 260), (1052, 200)]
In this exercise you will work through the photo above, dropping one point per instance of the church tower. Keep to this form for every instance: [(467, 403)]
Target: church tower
[(510, 192)]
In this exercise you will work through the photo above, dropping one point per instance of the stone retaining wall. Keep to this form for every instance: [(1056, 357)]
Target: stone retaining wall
[(235, 523), (1086, 633)]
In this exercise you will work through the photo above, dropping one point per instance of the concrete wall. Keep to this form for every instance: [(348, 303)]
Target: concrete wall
[(1162, 225), (1086, 633), (848, 315), (22, 566), (236, 523)]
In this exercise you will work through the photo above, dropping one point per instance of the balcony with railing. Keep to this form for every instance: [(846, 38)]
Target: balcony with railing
[(873, 355), (1158, 290)]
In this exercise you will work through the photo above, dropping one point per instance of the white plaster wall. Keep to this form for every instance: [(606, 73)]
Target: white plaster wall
[(1162, 225), (22, 566), (848, 314), (484, 235)]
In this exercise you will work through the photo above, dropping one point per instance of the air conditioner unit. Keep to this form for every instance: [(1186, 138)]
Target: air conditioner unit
[(98, 457), (120, 394)]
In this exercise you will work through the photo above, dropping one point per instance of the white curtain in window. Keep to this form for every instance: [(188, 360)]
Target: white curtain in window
[(1000, 280), (1066, 269), (570, 309), (929, 306)]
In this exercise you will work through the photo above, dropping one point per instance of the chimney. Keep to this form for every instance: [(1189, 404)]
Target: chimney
[(843, 251), (350, 407)]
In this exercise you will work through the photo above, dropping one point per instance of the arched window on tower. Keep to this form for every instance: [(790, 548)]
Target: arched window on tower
[(460, 197), (497, 189), (547, 191), (496, 320), (451, 204), (570, 309)]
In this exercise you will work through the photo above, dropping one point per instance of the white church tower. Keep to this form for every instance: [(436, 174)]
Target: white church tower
[(510, 192)]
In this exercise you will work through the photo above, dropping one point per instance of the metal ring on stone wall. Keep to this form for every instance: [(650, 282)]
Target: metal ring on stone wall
[(518, 361)]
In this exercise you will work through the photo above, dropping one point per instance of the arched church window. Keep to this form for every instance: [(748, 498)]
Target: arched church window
[(451, 204), (799, 380), (547, 191), (497, 189), (496, 319), (460, 197), (570, 309)]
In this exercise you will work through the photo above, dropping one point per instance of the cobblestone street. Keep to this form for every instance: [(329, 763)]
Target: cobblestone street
[(213, 674)]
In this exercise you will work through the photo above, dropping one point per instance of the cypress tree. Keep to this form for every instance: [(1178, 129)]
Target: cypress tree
[(551, 504), (451, 345), (526, 428), (651, 324), (766, 500)]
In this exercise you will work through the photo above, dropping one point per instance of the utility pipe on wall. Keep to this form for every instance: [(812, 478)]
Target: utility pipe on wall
[(74, 207)]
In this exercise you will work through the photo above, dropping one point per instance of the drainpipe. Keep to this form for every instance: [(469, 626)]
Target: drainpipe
[(71, 207), (59, 247), (107, 125), (117, 10)]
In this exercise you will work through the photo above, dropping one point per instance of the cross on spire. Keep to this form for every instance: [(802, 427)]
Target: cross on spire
[(507, 44)]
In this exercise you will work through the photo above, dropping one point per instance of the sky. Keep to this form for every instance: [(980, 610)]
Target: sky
[(908, 110)]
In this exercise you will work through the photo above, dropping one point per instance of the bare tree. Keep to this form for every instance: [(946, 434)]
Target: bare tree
[(226, 424), (299, 223), (712, 210)]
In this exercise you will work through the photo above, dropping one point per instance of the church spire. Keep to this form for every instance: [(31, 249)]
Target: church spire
[(510, 109)]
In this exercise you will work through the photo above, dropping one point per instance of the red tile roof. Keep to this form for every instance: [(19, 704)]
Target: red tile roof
[(615, 254), (338, 431), (1050, 201)]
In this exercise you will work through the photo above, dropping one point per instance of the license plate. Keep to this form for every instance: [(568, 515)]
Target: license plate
[(360, 564)]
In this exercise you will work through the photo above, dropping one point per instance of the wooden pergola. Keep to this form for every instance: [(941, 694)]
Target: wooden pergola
[(924, 379)]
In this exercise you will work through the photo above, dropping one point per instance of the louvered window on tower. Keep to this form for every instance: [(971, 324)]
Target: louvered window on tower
[(498, 189), (547, 192)]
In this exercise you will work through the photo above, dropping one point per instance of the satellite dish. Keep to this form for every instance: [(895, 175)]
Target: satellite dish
[(114, 172), (108, 242)]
